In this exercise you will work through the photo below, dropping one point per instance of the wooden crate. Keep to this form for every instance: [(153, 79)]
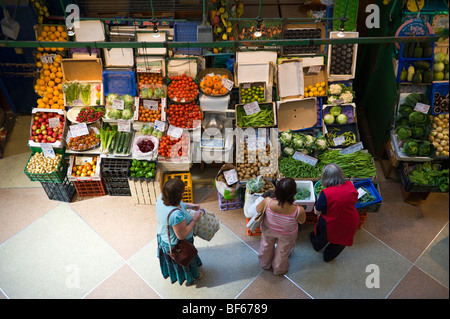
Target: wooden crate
[(146, 191)]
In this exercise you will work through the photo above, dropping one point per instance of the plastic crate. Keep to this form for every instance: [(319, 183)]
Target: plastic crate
[(368, 185), (63, 192), (115, 167), (90, 188), (119, 82), (186, 32), (188, 196), (235, 203), (439, 90), (402, 171), (372, 208), (57, 176), (257, 230)]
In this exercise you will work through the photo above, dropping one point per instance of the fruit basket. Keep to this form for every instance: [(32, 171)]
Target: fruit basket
[(212, 82)]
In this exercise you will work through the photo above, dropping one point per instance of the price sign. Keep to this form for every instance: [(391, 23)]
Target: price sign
[(227, 83), (118, 104), (314, 69), (49, 58), (174, 131), (254, 144), (123, 126), (48, 151), (352, 149), (53, 122), (361, 192), (152, 105), (338, 140), (78, 102), (163, 109), (251, 108), (231, 177), (422, 108), (79, 130), (160, 125), (305, 158)]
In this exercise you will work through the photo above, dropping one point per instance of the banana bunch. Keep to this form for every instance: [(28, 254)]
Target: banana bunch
[(220, 12)]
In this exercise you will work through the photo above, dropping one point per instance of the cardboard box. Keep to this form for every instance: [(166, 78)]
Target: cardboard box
[(57, 144), (265, 104), (342, 77), (297, 114), (147, 36), (80, 160), (290, 79), (178, 66), (119, 57), (90, 31), (154, 64), (84, 71)]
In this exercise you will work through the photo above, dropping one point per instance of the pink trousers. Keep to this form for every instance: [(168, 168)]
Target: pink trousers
[(277, 258)]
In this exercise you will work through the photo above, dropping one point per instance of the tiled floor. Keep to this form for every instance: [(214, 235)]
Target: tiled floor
[(105, 247)]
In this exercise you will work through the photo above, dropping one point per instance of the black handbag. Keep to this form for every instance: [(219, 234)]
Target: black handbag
[(184, 251)]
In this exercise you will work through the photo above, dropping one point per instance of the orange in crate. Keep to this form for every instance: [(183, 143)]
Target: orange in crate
[(257, 230)]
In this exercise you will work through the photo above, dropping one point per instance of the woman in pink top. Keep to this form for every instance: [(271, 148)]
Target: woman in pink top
[(279, 227)]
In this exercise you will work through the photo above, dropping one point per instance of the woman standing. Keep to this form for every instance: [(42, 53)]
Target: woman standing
[(279, 227), (181, 225), (338, 218)]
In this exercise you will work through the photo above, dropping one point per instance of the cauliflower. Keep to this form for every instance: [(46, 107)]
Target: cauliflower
[(332, 99), (347, 97), (335, 89)]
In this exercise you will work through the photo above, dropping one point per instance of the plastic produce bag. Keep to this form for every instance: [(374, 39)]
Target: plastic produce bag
[(151, 155)]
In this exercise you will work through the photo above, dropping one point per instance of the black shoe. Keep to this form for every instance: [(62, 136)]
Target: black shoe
[(312, 237)]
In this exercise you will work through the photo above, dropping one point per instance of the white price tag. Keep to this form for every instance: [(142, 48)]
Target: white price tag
[(251, 108), (227, 83), (174, 131), (118, 104), (78, 102), (314, 69), (48, 151), (152, 105), (160, 125), (79, 130), (422, 108), (231, 177), (163, 109), (53, 122), (352, 149), (123, 126), (361, 192), (338, 140), (305, 158), (48, 58)]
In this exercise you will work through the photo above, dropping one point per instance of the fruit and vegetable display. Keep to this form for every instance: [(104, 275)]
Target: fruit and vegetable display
[(264, 117), (316, 90), (220, 13), (170, 147), (367, 197), (340, 94), (338, 114), (150, 114), (188, 115), (430, 174), (41, 8), (87, 169), (55, 33), (251, 92), (182, 89), (211, 85), (149, 129), (358, 164), (151, 86), (113, 141), (290, 167), (439, 136), (41, 164), (142, 169), (249, 165), (303, 143), (302, 33), (341, 61), (412, 50), (416, 72), (114, 103), (84, 142), (42, 131), (49, 83)]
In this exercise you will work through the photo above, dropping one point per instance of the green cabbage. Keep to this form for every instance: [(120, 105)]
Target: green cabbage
[(111, 97), (128, 101), (403, 132), (411, 147), (127, 114), (115, 114), (417, 118), (335, 110), (159, 93), (419, 131), (425, 149)]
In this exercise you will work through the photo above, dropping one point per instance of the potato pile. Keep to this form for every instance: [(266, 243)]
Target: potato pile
[(40, 164), (252, 163)]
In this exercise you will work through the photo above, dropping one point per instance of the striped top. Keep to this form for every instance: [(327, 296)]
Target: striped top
[(281, 223)]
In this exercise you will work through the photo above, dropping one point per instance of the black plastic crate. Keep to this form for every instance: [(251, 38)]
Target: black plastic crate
[(119, 191), (63, 192), (115, 167), (403, 170)]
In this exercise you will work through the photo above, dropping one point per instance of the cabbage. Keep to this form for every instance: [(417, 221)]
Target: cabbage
[(419, 131), (411, 148), (128, 101), (127, 114), (425, 149), (417, 117), (159, 93), (403, 132), (115, 114), (335, 110), (111, 97), (328, 119), (341, 119)]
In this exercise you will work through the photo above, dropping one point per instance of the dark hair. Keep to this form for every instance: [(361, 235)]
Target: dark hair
[(172, 192), (270, 193), (285, 191)]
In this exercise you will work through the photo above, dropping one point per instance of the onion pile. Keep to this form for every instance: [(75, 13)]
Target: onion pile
[(40, 164), (439, 134)]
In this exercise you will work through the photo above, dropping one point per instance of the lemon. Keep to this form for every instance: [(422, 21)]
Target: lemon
[(310, 87), (314, 89), (317, 85), (322, 84)]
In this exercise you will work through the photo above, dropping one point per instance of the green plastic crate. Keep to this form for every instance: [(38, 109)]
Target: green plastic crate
[(54, 177)]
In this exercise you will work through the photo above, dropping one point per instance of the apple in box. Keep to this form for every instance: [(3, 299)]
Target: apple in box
[(47, 127)]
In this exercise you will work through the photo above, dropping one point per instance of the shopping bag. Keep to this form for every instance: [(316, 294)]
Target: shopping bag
[(207, 226), (256, 220)]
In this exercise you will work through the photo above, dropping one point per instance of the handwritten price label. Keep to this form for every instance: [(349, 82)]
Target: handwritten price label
[(49, 58), (422, 108), (227, 83), (152, 105), (314, 69), (118, 104), (251, 108), (79, 130), (231, 177), (305, 158), (48, 151), (53, 122), (174, 131), (160, 126)]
